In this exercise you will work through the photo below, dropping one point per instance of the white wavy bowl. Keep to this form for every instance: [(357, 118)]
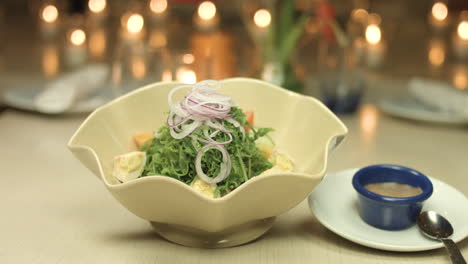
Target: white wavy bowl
[(304, 129)]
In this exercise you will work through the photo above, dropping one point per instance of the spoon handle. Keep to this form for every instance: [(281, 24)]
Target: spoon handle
[(453, 251)]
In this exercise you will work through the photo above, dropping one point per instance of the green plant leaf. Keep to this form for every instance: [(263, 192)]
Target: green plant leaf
[(290, 41), (286, 21)]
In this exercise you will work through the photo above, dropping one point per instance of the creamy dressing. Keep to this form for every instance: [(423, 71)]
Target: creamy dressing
[(393, 189)]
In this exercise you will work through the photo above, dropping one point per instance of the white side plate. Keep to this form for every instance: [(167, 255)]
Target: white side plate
[(410, 108), (23, 99), (334, 203)]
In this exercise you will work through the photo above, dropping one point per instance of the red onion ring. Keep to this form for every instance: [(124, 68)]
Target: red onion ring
[(225, 165), (203, 106)]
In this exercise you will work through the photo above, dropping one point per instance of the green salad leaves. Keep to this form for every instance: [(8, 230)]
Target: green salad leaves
[(176, 157)]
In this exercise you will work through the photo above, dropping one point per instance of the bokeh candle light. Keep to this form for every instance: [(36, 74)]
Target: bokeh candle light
[(188, 58), (166, 76), (49, 15), (157, 39), (97, 6), (436, 53), (213, 55), (135, 23), (373, 34), (133, 26), (158, 9), (368, 121), (438, 17), (97, 10), (206, 18), (375, 49), (460, 77), (186, 75), (50, 61), (207, 10), (138, 67), (78, 37), (360, 15), (261, 22), (262, 18), (158, 6), (76, 47), (460, 38), (462, 30), (97, 44)]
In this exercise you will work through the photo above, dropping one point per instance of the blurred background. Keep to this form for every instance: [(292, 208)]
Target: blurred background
[(345, 53)]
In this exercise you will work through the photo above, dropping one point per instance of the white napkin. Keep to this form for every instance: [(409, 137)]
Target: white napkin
[(440, 95), (61, 94)]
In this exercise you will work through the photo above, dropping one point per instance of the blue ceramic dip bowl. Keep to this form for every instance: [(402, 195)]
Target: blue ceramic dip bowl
[(385, 212)]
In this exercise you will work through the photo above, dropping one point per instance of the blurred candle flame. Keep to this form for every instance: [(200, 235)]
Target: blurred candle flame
[(97, 6), (360, 15), (166, 76), (460, 77), (135, 23), (138, 67), (207, 10), (373, 34), (77, 37), (50, 13), (158, 6), (462, 30), (262, 18), (374, 19), (116, 76), (436, 53), (50, 61), (439, 11), (186, 75), (188, 58), (157, 39), (368, 118), (97, 43)]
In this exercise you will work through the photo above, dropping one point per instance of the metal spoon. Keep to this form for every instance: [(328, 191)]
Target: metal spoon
[(435, 226)]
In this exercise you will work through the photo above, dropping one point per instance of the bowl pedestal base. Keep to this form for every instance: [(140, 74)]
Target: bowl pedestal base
[(229, 237)]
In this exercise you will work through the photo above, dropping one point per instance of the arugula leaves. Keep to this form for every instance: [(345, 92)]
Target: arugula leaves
[(176, 157)]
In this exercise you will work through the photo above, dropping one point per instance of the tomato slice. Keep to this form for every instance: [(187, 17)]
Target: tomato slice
[(250, 119)]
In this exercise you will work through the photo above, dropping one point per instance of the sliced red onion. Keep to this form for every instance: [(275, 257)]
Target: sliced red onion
[(214, 133), (201, 139), (175, 121), (225, 165), (238, 125), (216, 125), (208, 84), (171, 93), (186, 130), (212, 141), (203, 106), (210, 109), (193, 143), (202, 102)]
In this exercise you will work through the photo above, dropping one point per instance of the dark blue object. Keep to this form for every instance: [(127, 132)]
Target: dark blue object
[(343, 105), (390, 213)]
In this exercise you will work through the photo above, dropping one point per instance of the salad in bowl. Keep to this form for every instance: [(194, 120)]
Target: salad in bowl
[(210, 164), (207, 142)]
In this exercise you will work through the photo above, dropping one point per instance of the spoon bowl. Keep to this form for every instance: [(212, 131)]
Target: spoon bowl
[(435, 226)]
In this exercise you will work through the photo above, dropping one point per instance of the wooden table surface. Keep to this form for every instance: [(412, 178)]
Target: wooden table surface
[(55, 211)]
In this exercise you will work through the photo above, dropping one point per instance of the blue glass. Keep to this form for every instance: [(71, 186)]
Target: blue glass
[(390, 213), (344, 104)]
